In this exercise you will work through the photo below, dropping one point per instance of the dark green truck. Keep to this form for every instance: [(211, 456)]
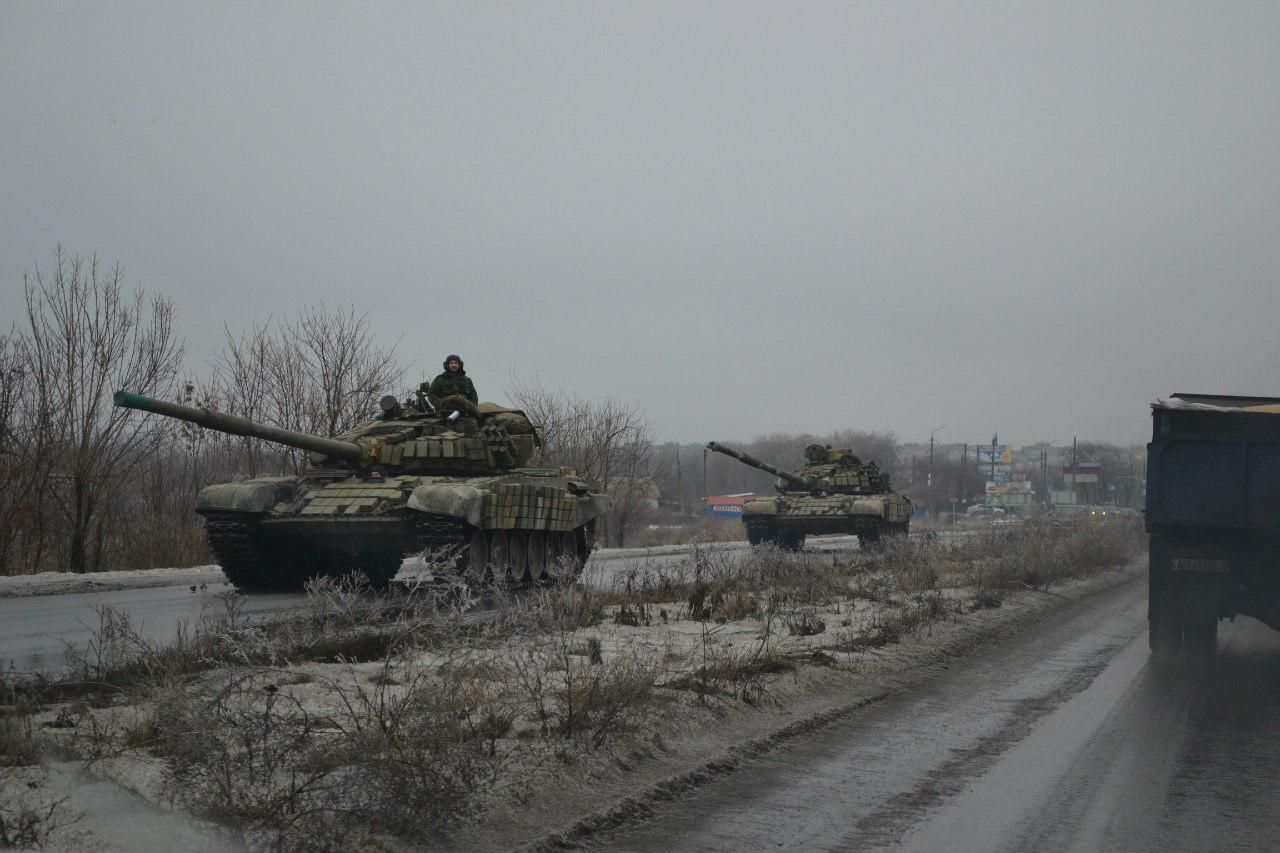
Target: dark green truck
[(1213, 515)]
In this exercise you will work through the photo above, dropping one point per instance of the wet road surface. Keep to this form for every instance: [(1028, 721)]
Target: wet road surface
[(36, 631), (1065, 737)]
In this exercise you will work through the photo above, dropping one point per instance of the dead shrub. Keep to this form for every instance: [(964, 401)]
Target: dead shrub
[(31, 822), (18, 744)]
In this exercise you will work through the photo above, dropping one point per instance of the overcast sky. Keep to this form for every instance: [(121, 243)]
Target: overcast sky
[(744, 217)]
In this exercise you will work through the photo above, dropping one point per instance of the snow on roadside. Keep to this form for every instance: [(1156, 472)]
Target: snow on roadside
[(61, 583)]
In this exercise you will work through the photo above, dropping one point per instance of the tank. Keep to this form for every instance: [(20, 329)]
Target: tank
[(832, 492), (456, 482)]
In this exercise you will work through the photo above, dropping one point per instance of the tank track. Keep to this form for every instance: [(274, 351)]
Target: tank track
[(254, 563), (436, 532), (247, 561), (760, 531)]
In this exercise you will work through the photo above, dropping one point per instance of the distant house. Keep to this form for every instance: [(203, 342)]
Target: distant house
[(727, 506)]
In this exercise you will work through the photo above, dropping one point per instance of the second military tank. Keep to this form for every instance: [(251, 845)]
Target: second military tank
[(454, 482), (832, 492)]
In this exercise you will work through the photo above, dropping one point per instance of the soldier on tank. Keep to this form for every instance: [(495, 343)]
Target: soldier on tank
[(452, 382)]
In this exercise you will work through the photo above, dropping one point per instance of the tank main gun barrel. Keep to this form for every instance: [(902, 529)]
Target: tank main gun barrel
[(746, 459), (347, 451)]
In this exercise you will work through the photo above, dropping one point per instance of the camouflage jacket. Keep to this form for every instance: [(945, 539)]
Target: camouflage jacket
[(447, 384)]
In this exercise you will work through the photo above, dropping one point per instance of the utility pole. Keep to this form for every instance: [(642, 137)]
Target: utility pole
[(994, 437), (964, 474), (680, 484), (930, 481), (1074, 446), (704, 480), (1044, 475)]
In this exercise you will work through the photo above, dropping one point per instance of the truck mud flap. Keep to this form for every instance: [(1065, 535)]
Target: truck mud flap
[(1187, 597)]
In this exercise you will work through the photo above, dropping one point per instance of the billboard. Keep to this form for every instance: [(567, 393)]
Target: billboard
[(1081, 472), (1020, 487), (1003, 454), (998, 473)]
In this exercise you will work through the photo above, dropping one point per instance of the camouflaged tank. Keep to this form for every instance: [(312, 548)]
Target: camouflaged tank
[(832, 492), (409, 481)]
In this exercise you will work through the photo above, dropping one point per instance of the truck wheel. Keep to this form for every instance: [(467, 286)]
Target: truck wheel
[(1164, 637), (1171, 640), (1200, 640)]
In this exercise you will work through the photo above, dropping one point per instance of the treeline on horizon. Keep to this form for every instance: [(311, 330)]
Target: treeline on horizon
[(87, 487)]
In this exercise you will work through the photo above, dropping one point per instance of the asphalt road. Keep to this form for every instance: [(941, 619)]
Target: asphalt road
[(1066, 737), (35, 631)]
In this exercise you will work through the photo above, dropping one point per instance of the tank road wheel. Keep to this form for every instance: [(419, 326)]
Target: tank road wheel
[(562, 558), (537, 559), (518, 556), (499, 555), (476, 562)]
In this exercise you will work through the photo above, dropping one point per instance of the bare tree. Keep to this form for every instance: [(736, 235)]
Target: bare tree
[(320, 372), (609, 442), (21, 463), (87, 337)]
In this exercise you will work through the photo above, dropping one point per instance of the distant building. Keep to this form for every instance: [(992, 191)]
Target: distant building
[(727, 506)]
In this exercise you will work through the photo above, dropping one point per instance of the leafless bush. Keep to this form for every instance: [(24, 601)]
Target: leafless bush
[(608, 442), (890, 625), (721, 670), (18, 744), (405, 757), (1040, 552), (30, 821)]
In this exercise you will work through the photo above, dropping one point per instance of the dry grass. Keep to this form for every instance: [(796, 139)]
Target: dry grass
[(418, 712)]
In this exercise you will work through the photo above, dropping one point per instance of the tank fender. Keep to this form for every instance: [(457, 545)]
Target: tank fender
[(869, 506), (593, 506), (259, 495), (455, 499), (761, 506)]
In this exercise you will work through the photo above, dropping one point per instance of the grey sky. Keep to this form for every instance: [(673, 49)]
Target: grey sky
[(744, 217)]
